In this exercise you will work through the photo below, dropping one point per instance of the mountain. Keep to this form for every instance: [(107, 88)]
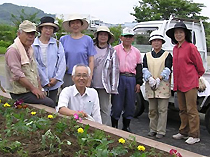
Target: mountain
[(7, 9)]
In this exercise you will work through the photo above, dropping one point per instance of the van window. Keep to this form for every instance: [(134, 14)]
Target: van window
[(142, 38)]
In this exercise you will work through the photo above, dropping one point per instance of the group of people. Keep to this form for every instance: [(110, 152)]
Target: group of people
[(37, 67)]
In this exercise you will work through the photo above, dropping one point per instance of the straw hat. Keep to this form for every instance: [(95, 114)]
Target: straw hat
[(47, 21), (104, 29), (156, 35), (72, 17)]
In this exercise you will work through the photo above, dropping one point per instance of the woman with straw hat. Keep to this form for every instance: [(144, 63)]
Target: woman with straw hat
[(187, 69), (79, 48), (50, 57), (106, 70), (156, 72)]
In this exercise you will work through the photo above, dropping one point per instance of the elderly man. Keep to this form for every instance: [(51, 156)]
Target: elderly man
[(129, 82), (78, 98), (21, 70)]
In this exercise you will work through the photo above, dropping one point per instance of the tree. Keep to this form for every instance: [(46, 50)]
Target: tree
[(117, 33), (162, 9), (16, 20)]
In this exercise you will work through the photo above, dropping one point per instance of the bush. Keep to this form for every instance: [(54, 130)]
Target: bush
[(3, 50), (5, 43)]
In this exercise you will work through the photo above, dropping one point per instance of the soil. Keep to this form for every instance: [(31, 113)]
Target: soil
[(31, 140)]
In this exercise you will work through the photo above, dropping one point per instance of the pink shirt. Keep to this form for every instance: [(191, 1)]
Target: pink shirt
[(128, 60), (187, 67)]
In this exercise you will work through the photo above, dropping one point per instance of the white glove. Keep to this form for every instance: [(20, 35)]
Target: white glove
[(157, 83), (202, 86), (152, 82)]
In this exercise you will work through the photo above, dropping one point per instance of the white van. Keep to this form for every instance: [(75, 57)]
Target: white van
[(142, 31)]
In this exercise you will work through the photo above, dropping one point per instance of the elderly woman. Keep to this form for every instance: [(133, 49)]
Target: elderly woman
[(187, 69), (79, 48), (50, 57), (156, 72), (106, 70)]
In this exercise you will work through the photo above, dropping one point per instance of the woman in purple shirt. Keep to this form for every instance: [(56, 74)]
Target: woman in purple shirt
[(79, 48)]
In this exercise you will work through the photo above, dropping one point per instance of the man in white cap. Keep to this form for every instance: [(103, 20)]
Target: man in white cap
[(21, 70), (130, 80)]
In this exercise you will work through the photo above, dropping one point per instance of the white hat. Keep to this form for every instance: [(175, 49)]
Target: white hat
[(27, 26), (156, 35), (127, 31), (72, 17), (104, 29)]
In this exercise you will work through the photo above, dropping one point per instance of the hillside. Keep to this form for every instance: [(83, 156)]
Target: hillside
[(7, 9)]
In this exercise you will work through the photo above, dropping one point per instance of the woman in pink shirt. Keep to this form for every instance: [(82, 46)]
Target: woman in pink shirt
[(187, 69)]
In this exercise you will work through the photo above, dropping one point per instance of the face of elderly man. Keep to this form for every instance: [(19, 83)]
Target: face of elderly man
[(26, 38), (81, 76)]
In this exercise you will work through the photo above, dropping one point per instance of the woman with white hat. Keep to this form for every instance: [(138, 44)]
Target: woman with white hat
[(187, 69), (106, 70), (50, 57), (156, 72), (79, 48)]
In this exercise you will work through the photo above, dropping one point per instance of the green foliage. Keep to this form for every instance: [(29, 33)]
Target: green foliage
[(117, 33), (61, 31), (21, 16), (160, 9), (3, 50)]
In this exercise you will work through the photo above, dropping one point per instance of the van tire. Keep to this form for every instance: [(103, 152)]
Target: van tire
[(207, 120), (139, 105)]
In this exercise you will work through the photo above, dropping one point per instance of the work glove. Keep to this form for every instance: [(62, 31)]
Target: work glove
[(202, 86), (157, 83), (152, 82)]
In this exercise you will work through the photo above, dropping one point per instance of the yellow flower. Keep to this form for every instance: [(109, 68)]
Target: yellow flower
[(121, 140), (33, 113), (0, 100), (80, 130), (141, 148), (50, 116), (7, 105)]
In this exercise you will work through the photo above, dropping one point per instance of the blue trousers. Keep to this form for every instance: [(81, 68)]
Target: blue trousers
[(125, 100)]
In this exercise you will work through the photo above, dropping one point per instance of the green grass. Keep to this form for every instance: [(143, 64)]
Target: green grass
[(3, 50)]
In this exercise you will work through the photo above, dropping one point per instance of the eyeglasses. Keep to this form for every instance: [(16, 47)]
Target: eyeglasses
[(84, 76)]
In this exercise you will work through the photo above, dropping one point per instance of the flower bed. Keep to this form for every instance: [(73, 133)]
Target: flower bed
[(27, 131)]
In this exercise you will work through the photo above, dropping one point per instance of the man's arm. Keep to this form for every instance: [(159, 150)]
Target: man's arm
[(66, 111)]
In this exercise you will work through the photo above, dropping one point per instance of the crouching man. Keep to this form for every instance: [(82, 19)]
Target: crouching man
[(78, 98)]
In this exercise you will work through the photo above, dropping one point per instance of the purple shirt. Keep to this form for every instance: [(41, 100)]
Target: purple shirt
[(77, 51)]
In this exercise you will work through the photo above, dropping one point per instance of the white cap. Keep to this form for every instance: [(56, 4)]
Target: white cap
[(127, 31), (156, 35)]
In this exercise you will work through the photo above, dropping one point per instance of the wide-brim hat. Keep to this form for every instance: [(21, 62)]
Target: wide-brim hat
[(72, 17), (170, 32), (104, 29), (156, 35), (47, 21)]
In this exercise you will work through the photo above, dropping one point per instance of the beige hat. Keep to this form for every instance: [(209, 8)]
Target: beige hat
[(27, 26), (104, 29), (127, 31), (72, 17)]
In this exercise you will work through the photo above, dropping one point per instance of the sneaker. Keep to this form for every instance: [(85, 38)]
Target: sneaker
[(151, 134), (179, 136), (192, 140), (159, 136)]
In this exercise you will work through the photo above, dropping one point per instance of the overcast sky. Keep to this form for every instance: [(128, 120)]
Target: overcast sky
[(110, 11)]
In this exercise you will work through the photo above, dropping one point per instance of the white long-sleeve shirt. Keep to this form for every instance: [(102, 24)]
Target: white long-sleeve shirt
[(88, 102)]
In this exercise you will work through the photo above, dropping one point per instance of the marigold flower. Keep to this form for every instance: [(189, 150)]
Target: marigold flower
[(121, 140), (7, 105), (33, 113), (50, 116), (141, 148), (80, 130)]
